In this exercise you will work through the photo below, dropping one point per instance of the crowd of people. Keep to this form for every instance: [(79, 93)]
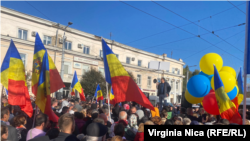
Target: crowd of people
[(87, 121)]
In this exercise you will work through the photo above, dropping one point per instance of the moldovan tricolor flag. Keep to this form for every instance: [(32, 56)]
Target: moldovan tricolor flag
[(226, 107), (239, 98), (43, 101), (55, 79), (112, 97), (75, 85), (13, 79), (98, 93), (125, 89)]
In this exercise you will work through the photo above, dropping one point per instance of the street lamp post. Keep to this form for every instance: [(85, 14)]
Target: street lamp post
[(188, 71), (62, 61)]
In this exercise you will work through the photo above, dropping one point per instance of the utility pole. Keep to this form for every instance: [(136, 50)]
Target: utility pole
[(62, 61)]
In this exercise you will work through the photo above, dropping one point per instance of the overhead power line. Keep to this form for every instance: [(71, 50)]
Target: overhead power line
[(179, 28), (237, 7), (196, 25), (194, 36), (182, 25), (215, 44)]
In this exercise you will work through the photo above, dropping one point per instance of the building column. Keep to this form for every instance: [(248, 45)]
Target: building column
[(174, 90)]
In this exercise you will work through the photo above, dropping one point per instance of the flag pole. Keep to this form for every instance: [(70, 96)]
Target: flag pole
[(108, 101), (245, 62), (34, 117)]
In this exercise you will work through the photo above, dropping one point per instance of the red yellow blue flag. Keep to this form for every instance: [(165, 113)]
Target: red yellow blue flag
[(75, 85), (227, 108), (13, 79), (125, 89), (55, 78), (98, 93), (43, 100)]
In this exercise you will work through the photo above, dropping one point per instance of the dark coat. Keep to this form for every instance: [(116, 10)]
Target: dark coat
[(167, 88), (66, 137), (12, 132)]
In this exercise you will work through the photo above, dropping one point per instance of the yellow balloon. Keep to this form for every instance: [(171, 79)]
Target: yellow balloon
[(228, 81), (201, 104), (237, 89), (208, 61), (229, 70), (191, 99)]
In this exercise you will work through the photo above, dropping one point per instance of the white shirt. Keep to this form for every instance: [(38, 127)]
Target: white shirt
[(64, 103)]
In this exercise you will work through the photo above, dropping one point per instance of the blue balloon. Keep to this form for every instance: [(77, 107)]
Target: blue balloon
[(232, 94), (198, 86), (208, 76)]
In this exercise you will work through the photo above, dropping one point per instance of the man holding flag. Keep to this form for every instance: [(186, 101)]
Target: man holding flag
[(75, 85)]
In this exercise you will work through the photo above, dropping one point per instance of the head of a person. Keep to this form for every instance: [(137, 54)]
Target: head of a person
[(119, 130), (54, 103), (123, 115), (19, 120), (169, 122), (96, 132), (4, 132), (224, 122), (196, 109), (148, 123), (41, 121), (117, 138), (53, 133), (65, 109), (140, 113), (133, 110), (78, 115), (66, 123), (202, 111), (5, 114), (104, 117), (156, 120), (89, 112), (164, 114), (177, 122), (171, 108), (195, 115), (99, 120), (93, 106), (190, 111), (94, 114), (162, 80), (186, 121)]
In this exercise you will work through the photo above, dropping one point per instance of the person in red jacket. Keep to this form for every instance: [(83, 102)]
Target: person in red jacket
[(140, 134)]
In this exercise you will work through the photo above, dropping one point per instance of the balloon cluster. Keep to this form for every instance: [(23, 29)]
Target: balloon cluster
[(200, 88)]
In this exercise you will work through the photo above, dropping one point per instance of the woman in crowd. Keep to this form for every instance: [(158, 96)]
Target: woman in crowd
[(20, 122), (4, 133), (140, 134)]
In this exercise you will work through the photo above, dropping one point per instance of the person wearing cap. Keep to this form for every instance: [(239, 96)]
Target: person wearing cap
[(67, 126), (96, 132)]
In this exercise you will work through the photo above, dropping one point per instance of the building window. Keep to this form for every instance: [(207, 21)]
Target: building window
[(128, 60), (138, 79), (86, 50), (85, 68), (23, 57), (149, 81), (66, 69), (139, 63), (67, 45), (173, 70), (172, 84), (22, 34), (178, 71), (46, 40), (101, 70), (176, 85), (117, 56), (101, 53)]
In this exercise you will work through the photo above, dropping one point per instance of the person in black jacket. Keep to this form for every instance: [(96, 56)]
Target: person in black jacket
[(163, 90), (66, 125), (12, 132)]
